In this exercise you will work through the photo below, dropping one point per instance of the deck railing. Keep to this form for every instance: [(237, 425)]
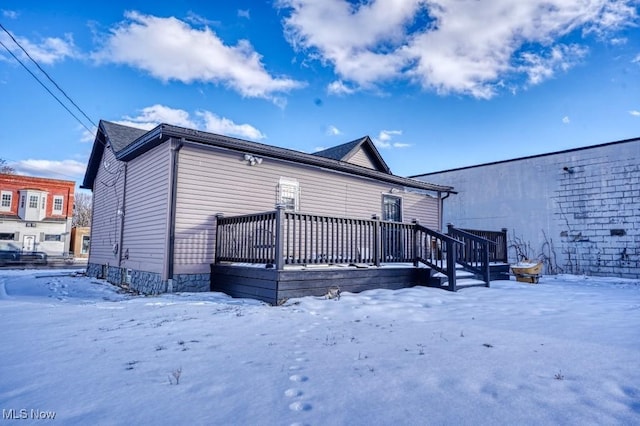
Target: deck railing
[(498, 250), (473, 255), (282, 238)]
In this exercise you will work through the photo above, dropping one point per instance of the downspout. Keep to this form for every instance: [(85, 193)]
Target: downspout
[(173, 194), (442, 209), (120, 213)]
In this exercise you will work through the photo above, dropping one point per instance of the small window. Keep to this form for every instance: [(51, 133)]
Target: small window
[(33, 201), (58, 202), (288, 194), (5, 201), (22, 202), (5, 236), (391, 208), (53, 237), (85, 244)]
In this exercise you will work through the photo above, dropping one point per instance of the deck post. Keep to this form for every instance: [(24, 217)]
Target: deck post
[(416, 243), (219, 216), (451, 264), (486, 271), (377, 246), (279, 254), (504, 246)]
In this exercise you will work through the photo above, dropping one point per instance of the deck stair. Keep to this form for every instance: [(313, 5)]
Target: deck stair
[(464, 279)]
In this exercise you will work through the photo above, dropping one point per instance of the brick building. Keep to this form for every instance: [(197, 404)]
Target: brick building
[(36, 213), (578, 209)]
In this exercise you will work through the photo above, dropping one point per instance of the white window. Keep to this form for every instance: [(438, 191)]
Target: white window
[(5, 201), (33, 201), (288, 194), (58, 202)]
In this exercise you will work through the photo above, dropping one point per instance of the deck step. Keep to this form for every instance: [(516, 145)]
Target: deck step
[(467, 282), (460, 273)]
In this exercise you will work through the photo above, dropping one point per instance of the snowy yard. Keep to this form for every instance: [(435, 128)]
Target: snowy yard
[(565, 351)]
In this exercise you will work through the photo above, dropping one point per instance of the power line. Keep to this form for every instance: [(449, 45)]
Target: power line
[(50, 79)]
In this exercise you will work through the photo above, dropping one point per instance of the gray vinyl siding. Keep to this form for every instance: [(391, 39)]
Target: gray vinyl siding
[(361, 158), (108, 190), (214, 181), (144, 244)]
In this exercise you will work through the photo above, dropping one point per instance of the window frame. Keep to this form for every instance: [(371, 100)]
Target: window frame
[(397, 200), (33, 199), (288, 194), (9, 200), (59, 198)]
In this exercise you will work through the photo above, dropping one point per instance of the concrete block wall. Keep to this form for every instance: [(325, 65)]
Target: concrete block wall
[(597, 207), (579, 210)]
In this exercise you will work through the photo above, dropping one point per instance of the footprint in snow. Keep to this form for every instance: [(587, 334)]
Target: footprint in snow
[(293, 393), (298, 378), (299, 406)]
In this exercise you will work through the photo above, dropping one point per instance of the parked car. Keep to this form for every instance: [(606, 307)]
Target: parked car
[(11, 254)]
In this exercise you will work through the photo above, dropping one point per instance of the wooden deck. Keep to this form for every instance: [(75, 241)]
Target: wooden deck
[(275, 286), (278, 255)]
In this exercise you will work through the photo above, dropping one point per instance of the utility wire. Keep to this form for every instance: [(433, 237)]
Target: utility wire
[(50, 79)]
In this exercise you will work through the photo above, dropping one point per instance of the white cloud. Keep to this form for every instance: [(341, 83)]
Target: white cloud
[(566, 119), (333, 131), (152, 116), (386, 135), (224, 126), (244, 14), (450, 46), (10, 14), (170, 49), (635, 113), (384, 139), (636, 59), (339, 88), (618, 41), (65, 169), (542, 66), (48, 51)]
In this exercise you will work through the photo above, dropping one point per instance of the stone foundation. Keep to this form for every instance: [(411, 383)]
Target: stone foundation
[(192, 282), (150, 282), (147, 282)]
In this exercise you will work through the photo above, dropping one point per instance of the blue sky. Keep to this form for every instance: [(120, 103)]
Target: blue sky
[(437, 85)]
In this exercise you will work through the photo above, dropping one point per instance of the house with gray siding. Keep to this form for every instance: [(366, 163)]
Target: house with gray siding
[(577, 210), (161, 196)]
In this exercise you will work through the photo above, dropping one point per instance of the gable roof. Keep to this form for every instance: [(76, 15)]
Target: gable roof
[(117, 137), (126, 146), (347, 150)]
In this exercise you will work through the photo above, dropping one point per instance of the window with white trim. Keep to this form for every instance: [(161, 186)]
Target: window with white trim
[(288, 194), (33, 201), (58, 202), (5, 201)]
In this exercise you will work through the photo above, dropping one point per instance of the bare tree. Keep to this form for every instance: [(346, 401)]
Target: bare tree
[(82, 210), (5, 168)]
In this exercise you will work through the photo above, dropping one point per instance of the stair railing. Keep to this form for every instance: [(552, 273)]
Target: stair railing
[(473, 256), (438, 251)]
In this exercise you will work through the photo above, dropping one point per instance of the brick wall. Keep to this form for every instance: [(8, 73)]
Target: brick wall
[(579, 210), (597, 210)]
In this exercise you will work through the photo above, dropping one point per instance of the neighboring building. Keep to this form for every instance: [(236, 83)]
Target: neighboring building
[(578, 209), (80, 241), (156, 195), (36, 213)]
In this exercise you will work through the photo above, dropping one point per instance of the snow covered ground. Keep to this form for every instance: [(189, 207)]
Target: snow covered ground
[(564, 351)]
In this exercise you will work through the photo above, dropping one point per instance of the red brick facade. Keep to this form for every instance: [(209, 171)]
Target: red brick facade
[(53, 187)]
